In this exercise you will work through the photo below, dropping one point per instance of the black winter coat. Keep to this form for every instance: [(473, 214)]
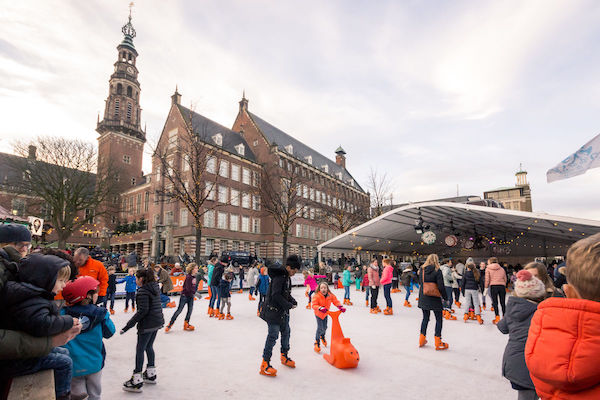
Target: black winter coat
[(148, 315), (9, 267), (430, 302), (516, 323), (217, 274), (279, 295), (406, 277), (112, 283), (469, 282)]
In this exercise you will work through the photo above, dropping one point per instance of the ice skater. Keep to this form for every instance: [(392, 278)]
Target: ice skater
[(386, 282), (470, 286), (374, 282), (225, 295), (321, 302), (111, 289), (186, 298), (262, 286), (407, 279), (431, 293), (346, 282), (130, 288), (149, 319)]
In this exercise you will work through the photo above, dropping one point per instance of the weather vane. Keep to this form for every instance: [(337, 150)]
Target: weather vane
[(130, 7)]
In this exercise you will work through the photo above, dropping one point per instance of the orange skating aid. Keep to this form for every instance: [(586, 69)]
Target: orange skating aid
[(343, 354)]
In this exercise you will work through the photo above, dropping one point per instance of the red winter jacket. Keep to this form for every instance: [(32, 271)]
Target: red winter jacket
[(319, 301), (563, 349), (387, 275)]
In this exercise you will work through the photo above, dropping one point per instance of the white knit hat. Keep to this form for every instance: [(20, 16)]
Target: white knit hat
[(470, 260), (528, 286)]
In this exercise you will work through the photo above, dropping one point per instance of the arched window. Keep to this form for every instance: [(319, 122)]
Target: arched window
[(129, 91), (119, 88), (117, 108), (129, 111), (129, 58)]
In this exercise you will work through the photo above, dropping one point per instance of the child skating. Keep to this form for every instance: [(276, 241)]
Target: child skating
[(321, 302), (225, 296), (346, 282), (186, 298), (130, 288)]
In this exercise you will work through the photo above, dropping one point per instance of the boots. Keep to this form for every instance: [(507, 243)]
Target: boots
[(251, 298), (496, 320), (133, 309), (324, 341), (317, 347), (448, 315), (373, 311), (350, 303), (150, 375), (466, 317), (367, 303), (484, 307), (458, 304), (221, 316), (422, 340), (407, 303), (258, 313), (126, 308), (134, 384), (492, 308), (288, 362), (112, 312), (388, 311), (240, 291), (267, 370), (308, 306), (439, 345), (472, 315), (479, 319), (187, 326), (229, 317), (210, 310), (377, 309), (168, 328)]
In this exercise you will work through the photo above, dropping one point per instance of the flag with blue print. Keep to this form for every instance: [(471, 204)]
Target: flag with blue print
[(587, 157)]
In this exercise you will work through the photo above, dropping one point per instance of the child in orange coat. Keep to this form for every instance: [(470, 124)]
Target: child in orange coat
[(563, 349), (320, 304)]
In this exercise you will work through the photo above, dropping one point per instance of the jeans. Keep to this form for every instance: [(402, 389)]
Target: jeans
[(367, 292), (164, 299), (498, 292), (241, 284), (448, 303), (251, 290), (347, 292), (58, 359), (438, 322), (183, 301), (472, 300), (110, 296), (456, 293), (407, 296), (527, 395), (273, 334), (386, 293), (261, 300), (395, 283), (321, 328), (215, 301), (374, 294), (310, 293), (129, 296), (145, 344)]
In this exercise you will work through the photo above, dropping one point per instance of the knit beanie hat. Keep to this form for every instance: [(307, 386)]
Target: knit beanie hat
[(12, 233), (528, 286), (470, 260)]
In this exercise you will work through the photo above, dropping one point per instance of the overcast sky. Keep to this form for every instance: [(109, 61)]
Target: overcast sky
[(435, 94)]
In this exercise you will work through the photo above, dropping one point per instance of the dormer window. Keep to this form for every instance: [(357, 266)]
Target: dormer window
[(289, 148), (338, 175), (218, 139), (325, 168), (308, 159), (241, 149)]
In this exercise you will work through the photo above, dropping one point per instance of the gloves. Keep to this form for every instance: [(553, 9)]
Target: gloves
[(342, 309), (323, 309)]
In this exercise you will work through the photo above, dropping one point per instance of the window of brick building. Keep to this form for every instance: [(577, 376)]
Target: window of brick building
[(222, 220), (245, 200), (210, 246), (209, 219), (235, 172), (222, 194), (234, 222), (246, 176), (245, 224), (183, 217), (224, 169), (127, 159)]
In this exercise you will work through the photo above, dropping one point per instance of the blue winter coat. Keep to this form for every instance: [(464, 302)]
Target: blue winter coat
[(263, 284), (346, 278), (87, 349), (130, 285)]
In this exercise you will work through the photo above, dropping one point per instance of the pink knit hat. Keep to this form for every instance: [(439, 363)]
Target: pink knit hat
[(528, 286)]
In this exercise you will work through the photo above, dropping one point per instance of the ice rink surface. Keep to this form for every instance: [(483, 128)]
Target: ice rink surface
[(221, 359)]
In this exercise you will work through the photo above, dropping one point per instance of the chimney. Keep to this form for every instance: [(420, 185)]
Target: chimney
[(32, 151), (340, 157), (176, 98)]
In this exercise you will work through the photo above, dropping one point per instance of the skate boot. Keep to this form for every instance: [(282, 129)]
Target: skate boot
[(496, 320), (472, 315), (492, 309), (150, 375), (308, 306), (258, 313), (466, 317), (112, 312), (317, 347), (458, 304), (221, 316), (378, 309), (132, 309), (422, 340), (126, 309), (168, 328), (288, 362), (240, 291), (407, 303), (187, 326), (209, 312), (388, 311), (171, 304), (373, 311), (70, 396), (484, 307), (267, 370), (439, 345), (229, 316), (323, 341), (134, 384), (350, 303), (367, 303), (479, 320)]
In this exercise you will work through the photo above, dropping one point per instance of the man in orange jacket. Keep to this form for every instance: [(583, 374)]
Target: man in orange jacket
[(94, 268)]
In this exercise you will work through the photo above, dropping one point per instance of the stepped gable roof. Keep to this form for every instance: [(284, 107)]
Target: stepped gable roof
[(206, 129), (300, 151)]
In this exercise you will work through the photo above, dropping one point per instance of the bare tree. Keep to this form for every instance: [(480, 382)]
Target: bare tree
[(281, 195), (189, 168), (347, 212), (64, 176), (380, 186)]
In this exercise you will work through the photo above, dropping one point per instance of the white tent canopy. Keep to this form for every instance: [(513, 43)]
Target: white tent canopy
[(491, 231)]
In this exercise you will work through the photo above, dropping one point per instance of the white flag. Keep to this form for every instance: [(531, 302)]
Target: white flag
[(587, 157)]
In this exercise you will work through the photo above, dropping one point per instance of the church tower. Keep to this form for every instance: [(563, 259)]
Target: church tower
[(121, 141)]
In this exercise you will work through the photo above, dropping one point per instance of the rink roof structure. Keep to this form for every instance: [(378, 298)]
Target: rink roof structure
[(477, 231)]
